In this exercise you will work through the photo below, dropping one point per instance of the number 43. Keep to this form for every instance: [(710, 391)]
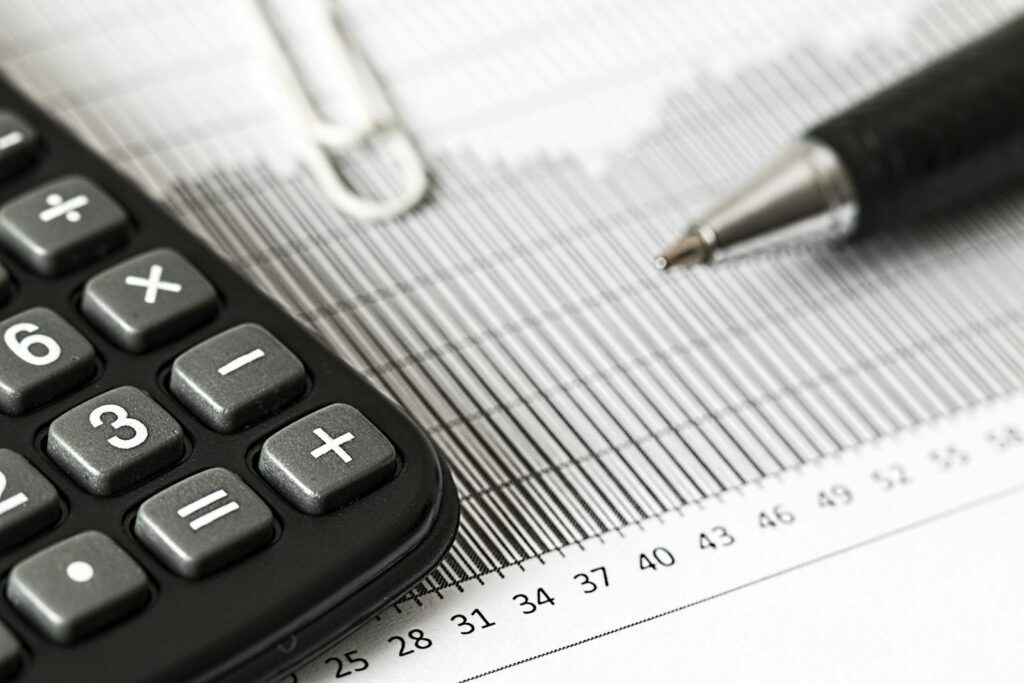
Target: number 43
[(716, 537)]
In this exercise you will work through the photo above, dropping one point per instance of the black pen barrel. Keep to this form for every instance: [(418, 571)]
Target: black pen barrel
[(943, 135)]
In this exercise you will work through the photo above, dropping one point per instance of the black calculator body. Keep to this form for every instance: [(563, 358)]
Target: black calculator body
[(199, 517)]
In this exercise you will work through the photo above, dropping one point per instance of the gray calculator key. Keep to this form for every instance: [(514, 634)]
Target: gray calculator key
[(115, 440), (327, 459), (28, 502), (149, 300), (204, 523), (10, 653), (18, 143), (41, 357), (77, 586), (61, 225), (237, 377)]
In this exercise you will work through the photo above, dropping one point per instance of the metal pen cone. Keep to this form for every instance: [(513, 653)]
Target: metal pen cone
[(804, 195), (688, 251)]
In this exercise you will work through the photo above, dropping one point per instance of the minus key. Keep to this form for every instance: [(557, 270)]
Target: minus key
[(19, 143)]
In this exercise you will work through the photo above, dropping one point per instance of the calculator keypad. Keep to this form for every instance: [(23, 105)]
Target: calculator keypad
[(61, 225), (28, 501), (77, 586), (237, 377), (115, 440), (141, 411), (41, 357), (18, 143), (149, 300), (327, 459), (204, 523)]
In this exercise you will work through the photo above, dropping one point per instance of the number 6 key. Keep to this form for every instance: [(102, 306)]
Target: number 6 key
[(41, 357)]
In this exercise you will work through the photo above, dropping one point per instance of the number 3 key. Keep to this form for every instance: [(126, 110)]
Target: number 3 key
[(115, 440)]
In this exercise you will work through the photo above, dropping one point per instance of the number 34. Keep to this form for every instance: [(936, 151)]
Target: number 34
[(121, 421)]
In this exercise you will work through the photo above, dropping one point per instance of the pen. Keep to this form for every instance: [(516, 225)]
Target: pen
[(939, 137)]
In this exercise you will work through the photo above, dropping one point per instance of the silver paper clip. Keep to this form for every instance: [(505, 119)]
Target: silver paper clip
[(326, 138)]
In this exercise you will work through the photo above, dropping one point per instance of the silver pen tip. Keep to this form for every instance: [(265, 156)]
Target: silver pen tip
[(688, 251)]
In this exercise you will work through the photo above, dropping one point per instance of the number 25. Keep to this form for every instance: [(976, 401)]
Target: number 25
[(121, 420)]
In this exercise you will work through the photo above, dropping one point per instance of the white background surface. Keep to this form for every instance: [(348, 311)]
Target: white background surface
[(568, 142)]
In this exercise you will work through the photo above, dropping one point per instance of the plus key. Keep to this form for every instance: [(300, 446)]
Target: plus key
[(293, 461), (332, 445)]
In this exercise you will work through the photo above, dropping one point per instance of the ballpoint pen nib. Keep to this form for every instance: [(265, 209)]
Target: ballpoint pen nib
[(688, 251)]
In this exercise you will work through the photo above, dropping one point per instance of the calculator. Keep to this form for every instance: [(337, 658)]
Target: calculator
[(192, 486)]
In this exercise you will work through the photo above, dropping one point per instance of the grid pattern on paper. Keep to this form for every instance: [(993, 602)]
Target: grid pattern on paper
[(575, 391)]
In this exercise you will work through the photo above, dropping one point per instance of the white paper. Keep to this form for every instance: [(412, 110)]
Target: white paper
[(592, 408)]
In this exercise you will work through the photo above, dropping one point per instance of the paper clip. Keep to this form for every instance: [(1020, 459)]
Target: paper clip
[(326, 138)]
